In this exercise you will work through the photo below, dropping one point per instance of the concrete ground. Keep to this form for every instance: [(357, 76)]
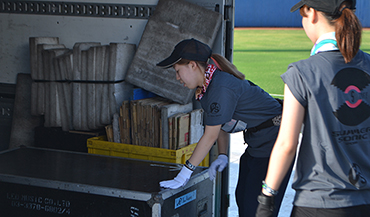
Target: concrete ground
[(237, 148)]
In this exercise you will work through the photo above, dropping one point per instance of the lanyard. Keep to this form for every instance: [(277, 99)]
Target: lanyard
[(326, 42)]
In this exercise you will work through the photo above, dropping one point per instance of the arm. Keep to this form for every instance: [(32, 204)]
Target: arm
[(222, 160), (283, 153), (211, 133), (286, 144), (223, 142)]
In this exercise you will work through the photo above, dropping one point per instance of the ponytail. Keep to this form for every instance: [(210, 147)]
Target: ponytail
[(225, 65), (348, 31)]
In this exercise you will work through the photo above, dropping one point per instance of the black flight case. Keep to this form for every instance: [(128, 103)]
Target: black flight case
[(44, 182)]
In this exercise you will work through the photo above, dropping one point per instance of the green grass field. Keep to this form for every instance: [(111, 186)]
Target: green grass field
[(263, 55)]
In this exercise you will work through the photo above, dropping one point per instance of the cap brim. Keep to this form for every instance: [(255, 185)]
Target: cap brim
[(297, 6), (169, 62)]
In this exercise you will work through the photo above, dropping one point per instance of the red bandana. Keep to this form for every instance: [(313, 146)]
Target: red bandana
[(207, 79)]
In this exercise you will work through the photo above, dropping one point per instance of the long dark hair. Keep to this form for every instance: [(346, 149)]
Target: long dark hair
[(348, 30)]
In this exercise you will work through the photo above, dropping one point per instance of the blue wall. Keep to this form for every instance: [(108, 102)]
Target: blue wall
[(273, 13)]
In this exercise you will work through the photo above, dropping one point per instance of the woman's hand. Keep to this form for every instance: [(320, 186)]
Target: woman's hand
[(218, 165), (179, 181), (266, 206)]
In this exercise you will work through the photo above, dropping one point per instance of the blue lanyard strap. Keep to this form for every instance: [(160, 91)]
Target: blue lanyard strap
[(318, 47)]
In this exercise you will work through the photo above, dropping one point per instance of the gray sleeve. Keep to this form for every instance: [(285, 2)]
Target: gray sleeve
[(295, 81)]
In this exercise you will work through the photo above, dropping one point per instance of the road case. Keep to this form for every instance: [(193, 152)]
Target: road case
[(45, 182)]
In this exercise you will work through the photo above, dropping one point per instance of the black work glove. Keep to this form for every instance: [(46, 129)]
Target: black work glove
[(266, 206)]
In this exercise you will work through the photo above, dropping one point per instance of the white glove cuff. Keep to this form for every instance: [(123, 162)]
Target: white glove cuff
[(223, 157), (183, 175), (185, 172)]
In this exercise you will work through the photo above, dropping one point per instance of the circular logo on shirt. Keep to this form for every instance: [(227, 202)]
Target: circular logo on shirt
[(215, 108), (352, 82)]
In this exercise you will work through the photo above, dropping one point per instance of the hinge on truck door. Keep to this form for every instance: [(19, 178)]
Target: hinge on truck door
[(228, 12), (78, 9)]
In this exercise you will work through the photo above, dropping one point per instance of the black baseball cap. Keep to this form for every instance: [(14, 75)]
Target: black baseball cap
[(190, 49), (327, 6)]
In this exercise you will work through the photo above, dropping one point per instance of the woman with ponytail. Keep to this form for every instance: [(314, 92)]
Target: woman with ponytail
[(329, 95), (230, 104)]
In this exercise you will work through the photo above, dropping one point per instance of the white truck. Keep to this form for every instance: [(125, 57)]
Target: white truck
[(153, 26)]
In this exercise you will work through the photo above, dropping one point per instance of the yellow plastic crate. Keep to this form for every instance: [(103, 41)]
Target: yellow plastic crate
[(100, 145)]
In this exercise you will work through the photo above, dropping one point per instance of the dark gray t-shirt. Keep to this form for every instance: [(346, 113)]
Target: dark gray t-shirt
[(333, 167), (228, 97)]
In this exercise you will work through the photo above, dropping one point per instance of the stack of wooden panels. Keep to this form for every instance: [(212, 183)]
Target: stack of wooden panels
[(179, 130), (156, 122), (185, 129), (146, 121)]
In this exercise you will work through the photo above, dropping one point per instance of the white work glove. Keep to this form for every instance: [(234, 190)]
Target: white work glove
[(180, 180), (219, 164)]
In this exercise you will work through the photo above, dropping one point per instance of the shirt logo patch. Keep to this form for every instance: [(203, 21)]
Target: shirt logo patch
[(354, 109), (355, 176), (215, 108)]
